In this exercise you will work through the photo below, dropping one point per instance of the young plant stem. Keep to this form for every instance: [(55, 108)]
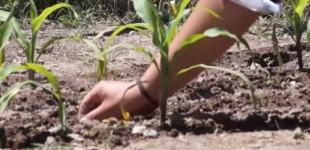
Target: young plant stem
[(164, 90), (298, 48), (31, 52), (102, 69), (2, 57)]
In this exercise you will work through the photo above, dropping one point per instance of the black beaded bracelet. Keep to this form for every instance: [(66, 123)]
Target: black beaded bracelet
[(146, 95)]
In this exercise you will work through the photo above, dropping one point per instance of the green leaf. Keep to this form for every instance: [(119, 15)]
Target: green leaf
[(5, 33), (4, 15), (7, 96), (308, 32), (20, 34), (33, 10), (52, 79), (147, 12), (47, 44), (213, 32), (92, 45), (173, 26), (37, 22), (135, 26), (236, 73), (210, 11), (11, 68), (300, 7)]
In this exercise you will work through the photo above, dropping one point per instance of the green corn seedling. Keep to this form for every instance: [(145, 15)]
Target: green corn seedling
[(163, 36), (298, 21), (5, 32), (30, 45), (52, 79), (102, 53)]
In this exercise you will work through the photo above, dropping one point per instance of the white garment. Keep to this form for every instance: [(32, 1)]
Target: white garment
[(262, 6)]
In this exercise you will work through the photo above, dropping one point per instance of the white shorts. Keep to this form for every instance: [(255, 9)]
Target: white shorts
[(262, 6)]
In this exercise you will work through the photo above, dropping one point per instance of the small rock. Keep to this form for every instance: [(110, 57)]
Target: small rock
[(115, 140), (174, 133), (257, 145), (253, 66), (138, 129), (76, 137), (50, 141), (2, 123), (293, 84), (298, 134), (295, 111), (41, 128), (54, 130), (150, 133), (182, 139), (110, 121)]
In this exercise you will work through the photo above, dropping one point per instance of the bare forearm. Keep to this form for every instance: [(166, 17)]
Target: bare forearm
[(234, 18)]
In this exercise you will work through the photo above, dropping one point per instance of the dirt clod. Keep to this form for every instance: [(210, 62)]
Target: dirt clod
[(150, 133), (298, 134)]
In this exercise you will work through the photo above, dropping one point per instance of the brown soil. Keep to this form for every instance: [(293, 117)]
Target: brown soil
[(215, 102)]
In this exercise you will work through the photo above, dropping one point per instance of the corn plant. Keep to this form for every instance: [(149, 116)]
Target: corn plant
[(30, 45), (163, 36), (101, 53), (5, 33), (298, 21), (52, 79)]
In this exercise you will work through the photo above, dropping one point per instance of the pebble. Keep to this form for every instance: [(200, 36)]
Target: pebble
[(138, 129), (293, 84), (110, 121), (115, 140), (253, 67), (54, 130), (76, 137), (150, 133), (174, 133), (298, 134), (50, 141), (295, 111)]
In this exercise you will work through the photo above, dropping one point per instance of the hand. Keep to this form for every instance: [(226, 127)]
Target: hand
[(104, 101)]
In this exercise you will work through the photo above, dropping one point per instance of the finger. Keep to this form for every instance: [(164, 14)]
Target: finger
[(89, 103), (97, 113)]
